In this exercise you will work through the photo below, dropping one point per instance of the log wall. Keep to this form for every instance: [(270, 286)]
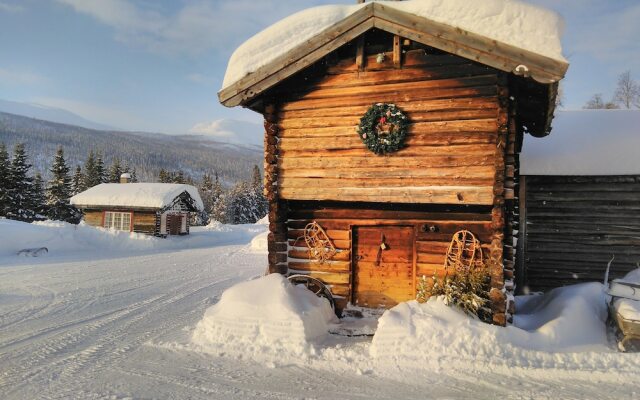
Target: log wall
[(575, 224), (450, 153), (433, 230), (143, 221), (461, 154)]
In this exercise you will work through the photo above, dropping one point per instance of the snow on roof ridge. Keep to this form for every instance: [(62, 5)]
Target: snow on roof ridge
[(148, 195), (519, 24)]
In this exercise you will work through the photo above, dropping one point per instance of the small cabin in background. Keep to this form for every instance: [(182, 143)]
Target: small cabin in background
[(158, 209), (580, 196), (464, 97)]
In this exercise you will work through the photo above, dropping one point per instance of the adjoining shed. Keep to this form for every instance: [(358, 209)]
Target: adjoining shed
[(391, 126), (580, 194), (158, 209)]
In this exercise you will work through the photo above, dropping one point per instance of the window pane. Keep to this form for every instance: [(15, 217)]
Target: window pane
[(126, 221), (107, 219)]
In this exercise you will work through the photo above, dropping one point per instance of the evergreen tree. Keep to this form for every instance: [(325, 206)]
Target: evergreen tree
[(5, 166), (90, 174), (206, 193), (101, 172), (20, 187), (163, 176), (77, 182), (134, 177), (240, 205), (256, 179), (216, 190), (115, 171), (59, 192), (38, 198), (179, 177)]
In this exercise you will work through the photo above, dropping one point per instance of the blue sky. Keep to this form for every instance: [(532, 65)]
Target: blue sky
[(157, 65)]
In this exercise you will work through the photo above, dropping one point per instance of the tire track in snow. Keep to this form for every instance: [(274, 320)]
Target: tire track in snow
[(71, 354)]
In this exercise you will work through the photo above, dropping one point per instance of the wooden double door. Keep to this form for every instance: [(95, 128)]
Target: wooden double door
[(383, 265)]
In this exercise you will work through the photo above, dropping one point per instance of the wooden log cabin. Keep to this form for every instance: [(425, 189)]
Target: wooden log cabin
[(580, 196), (158, 209), (468, 100)]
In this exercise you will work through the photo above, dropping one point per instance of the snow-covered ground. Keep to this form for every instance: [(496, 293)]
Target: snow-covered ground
[(106, 315)]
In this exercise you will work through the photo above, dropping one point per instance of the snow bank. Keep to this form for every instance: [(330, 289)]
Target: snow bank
[(152, 195), (586, 142), (512, 22), (259, 244), (265, 315), (67, 241), (565, 326), (628, 308)]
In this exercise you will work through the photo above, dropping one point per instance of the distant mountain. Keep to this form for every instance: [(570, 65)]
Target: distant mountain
[(147, 152), (231, 131), (49, 114)]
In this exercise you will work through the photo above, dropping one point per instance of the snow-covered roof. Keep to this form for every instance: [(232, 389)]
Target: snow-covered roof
[(586, 142), (138, 195), (508, 22)]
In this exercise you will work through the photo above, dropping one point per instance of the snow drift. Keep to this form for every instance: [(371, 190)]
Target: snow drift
[(65, 240), (564, 328), (267, 315), (626, 307)]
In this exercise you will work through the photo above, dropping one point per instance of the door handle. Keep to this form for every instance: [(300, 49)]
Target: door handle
[(358, 257)]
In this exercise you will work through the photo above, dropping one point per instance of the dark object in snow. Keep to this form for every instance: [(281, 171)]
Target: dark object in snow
[(34, 252), (315, 286)]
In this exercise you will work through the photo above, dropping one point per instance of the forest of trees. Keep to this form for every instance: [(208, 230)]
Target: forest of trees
[(149, 152), (27, 197), (626, 95)]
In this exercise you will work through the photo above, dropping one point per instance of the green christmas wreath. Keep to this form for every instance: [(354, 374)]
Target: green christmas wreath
[(383, 128)]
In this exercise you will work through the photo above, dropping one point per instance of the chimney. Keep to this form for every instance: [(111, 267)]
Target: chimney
[(125, 178)]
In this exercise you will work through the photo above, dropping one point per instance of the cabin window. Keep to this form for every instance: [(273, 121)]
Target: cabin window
[(117, 220)]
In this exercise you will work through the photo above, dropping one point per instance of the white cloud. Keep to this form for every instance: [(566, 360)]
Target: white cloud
[(196, 28), (20, 77), (230, 131), (10, 8)]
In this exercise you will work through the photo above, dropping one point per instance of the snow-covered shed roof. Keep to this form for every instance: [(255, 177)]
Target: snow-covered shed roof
[(586, 142), (505, 34), (135, 195)]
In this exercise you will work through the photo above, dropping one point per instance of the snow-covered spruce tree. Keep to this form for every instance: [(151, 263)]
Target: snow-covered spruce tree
[(242, 204), (77, 182), (90, 175), (134, 176), (216, 190), (163, 176), (206, 193), (101, 172), (256, 178), (59, 192), (115, 171), (179, 177), (20, 188), (5, 165), (223, 208), (38, 198)]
